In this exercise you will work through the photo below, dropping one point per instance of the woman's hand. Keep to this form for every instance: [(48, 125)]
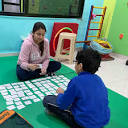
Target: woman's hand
[(43, 71), (60, 90), (33, 67)]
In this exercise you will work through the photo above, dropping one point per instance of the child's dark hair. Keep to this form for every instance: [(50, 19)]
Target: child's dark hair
[(90, 59), (37, 26)]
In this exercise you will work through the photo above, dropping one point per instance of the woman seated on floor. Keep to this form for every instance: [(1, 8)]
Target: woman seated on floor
[(33, 61)]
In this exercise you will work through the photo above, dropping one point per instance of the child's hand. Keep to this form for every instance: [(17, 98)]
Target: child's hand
[(33, 67), (60, 90)]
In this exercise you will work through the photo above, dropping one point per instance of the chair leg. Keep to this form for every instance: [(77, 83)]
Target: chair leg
[(70, 55)]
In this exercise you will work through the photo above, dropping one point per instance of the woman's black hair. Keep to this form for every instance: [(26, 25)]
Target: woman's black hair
[(127, 62), (37, 26), (90, 59)]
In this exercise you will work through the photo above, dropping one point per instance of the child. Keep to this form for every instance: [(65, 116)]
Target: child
[(84, 104), (33, 61)]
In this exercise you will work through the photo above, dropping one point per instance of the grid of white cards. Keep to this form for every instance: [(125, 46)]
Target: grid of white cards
[(19, 95)]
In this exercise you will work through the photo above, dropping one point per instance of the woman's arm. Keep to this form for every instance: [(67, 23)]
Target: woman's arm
[(24, 57)]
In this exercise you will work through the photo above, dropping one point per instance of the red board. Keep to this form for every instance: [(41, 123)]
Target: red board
[(57, 29)]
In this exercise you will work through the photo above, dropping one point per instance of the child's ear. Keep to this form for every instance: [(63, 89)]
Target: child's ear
[(81, 66)]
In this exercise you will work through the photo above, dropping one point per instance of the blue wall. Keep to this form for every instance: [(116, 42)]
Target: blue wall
[(14, 28)]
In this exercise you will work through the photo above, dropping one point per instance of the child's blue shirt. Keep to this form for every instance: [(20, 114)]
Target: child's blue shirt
[(87, 97)]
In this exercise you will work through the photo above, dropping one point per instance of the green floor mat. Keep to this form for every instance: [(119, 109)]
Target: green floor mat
[(35, 114), (8, 69)]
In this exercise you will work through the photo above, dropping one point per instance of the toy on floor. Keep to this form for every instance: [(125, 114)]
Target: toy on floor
[(103, 47)]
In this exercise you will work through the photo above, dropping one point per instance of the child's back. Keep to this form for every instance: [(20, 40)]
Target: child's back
[(90, 106)]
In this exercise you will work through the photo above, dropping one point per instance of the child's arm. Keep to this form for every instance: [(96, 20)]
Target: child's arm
[(68, 97)]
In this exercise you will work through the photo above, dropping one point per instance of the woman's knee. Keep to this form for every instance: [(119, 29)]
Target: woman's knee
[(22, 77), (58, 65)]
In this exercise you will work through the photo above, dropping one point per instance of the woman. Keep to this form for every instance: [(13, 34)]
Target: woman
[(33, 61)]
